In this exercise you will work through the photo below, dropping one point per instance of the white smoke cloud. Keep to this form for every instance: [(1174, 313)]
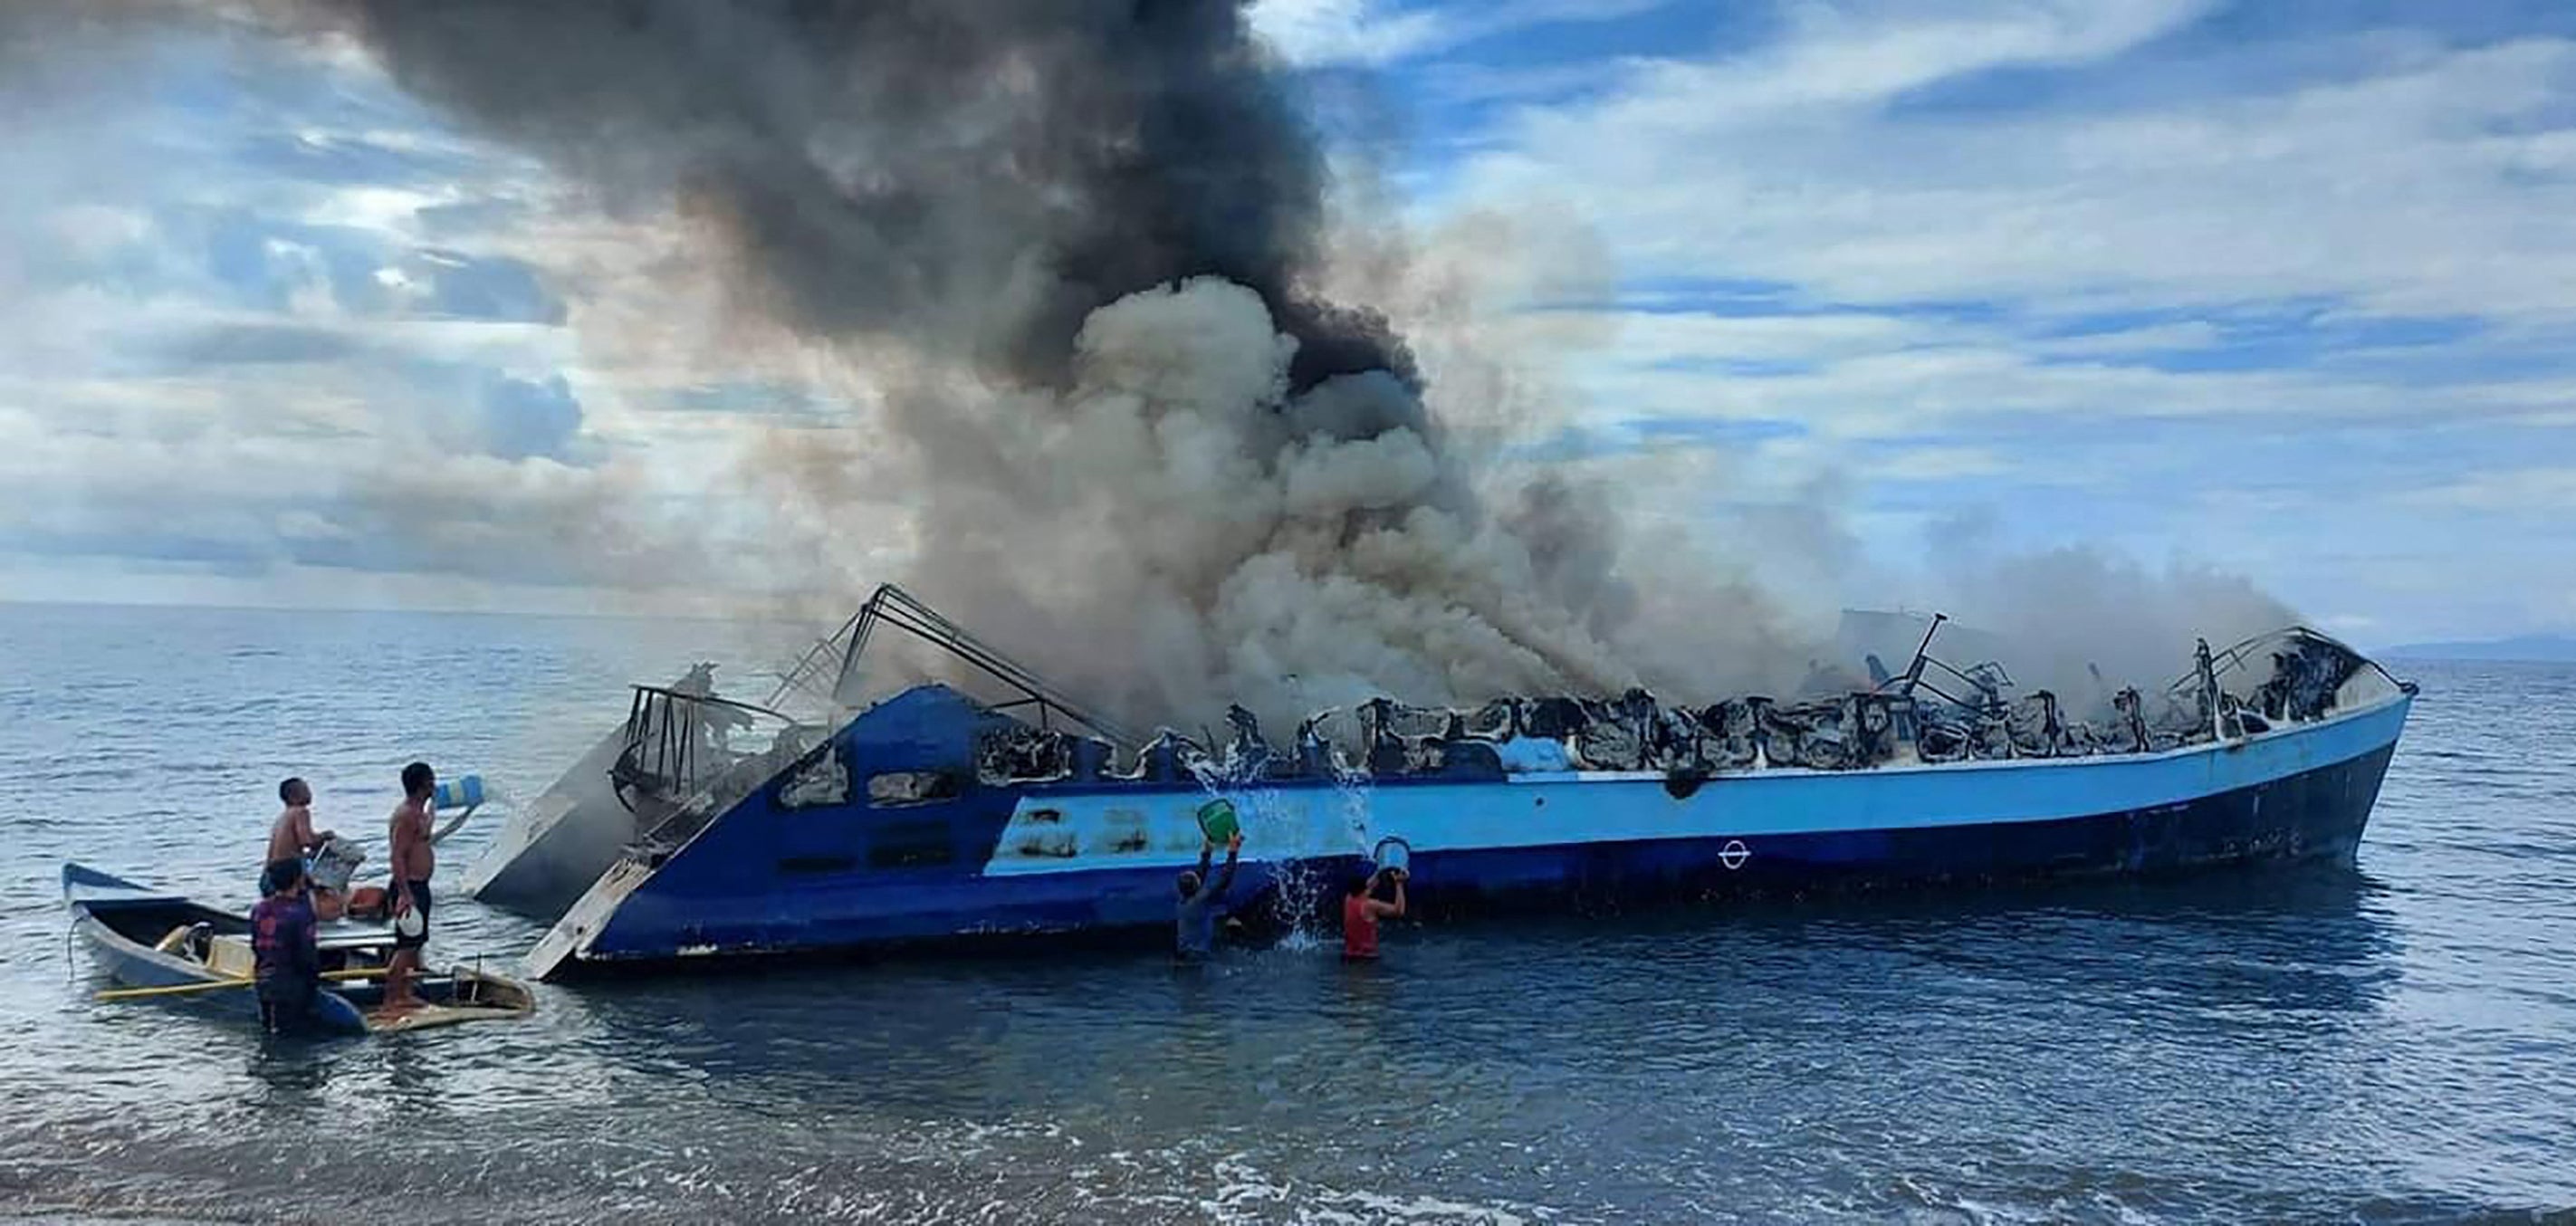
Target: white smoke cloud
[(1206, 537)]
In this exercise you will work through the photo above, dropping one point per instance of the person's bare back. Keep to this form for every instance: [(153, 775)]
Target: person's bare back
[(293, 837)]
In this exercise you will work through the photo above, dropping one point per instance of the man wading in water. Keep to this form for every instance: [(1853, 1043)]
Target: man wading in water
[(412, 863), (1202, 900), (1362, 909), (288, 967)]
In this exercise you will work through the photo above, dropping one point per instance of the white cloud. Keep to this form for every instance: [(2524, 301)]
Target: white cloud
[(1372, 32), (1939, 463), (2154, 338), (1647, 337), (1864, 377), (1857, 56), (304, 525), (2409, 184), (2148, 276), (1345, 31), (2547, 492)]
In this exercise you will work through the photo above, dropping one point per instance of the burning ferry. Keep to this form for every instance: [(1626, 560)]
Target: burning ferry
[(932, 818)]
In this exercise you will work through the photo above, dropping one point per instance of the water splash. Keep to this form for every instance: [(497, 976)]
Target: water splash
[(1352, 788), (501, 799), (1295, 831), (499, 804)]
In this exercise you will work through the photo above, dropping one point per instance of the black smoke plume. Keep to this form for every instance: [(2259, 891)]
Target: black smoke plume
[(1070, 199), (906, 167)]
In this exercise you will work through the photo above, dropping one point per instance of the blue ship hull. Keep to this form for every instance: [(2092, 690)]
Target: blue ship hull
[(782, 872)]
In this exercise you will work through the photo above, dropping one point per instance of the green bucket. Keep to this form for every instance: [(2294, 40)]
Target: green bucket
[(1217, 821)]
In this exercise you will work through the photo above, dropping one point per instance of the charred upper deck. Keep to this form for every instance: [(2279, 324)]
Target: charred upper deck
[(684, 762), (1933, 713)]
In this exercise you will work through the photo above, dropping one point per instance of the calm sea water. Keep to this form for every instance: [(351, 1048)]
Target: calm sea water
[(2392, 1044)]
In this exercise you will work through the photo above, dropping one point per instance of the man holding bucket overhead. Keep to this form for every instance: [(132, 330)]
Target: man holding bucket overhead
[(1362, 906), (1202, 899), (412, 863), (1362, 909)]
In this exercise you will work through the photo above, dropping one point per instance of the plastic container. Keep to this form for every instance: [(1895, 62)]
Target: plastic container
[(1217, 820), (1393, 855), (332, 866), (463, 792), (1523, 755)]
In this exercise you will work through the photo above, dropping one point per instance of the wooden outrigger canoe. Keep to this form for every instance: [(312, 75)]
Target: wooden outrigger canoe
[(147, 939)]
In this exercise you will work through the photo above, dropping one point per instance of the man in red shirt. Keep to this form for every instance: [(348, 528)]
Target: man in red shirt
[(1362, 909)]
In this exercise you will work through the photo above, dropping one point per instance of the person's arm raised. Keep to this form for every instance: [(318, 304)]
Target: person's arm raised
[(1233, 852)]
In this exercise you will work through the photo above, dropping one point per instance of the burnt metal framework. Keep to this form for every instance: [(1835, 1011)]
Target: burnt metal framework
[(894, 607), (804, 677), (666, 729), (1946, 712), (1988, 680)]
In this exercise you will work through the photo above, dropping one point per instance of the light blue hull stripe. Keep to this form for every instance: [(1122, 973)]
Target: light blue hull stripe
[(1065, 831)]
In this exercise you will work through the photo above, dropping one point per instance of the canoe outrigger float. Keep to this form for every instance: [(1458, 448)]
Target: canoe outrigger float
[(933, 818), (151, 940)]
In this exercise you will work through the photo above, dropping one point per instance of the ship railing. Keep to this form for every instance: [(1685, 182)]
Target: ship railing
[(682, 754), (2276, 690), (809, 678), (2242, 656)]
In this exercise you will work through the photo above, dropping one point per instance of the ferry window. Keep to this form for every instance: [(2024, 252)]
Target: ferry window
[(910, 788), (911, 845), (802, 865)]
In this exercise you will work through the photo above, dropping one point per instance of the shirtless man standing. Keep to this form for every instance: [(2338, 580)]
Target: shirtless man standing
[(292, 836), (412, 862)]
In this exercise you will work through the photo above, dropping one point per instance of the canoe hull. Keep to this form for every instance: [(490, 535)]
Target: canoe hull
[(92, 895), (101, 904)]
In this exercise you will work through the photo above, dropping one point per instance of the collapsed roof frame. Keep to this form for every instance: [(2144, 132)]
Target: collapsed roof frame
[(892, 606), (1988, 687)]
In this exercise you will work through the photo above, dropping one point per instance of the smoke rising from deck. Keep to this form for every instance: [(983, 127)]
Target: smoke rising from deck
[(1074, 246), (1072, 258)]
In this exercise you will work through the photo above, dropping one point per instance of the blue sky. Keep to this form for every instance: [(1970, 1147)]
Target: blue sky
[(2283, 289)]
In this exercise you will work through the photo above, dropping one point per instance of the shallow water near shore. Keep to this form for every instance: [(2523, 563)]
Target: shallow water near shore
[(2396, 1043)]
